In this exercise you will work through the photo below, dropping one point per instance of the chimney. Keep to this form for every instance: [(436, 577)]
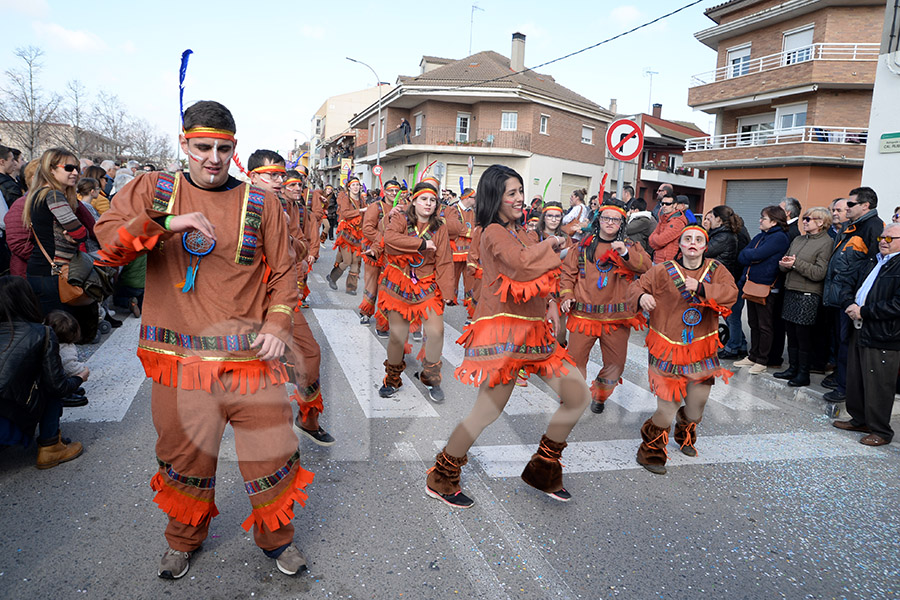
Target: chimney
[(657, 110), (613, 106), (517, 57)]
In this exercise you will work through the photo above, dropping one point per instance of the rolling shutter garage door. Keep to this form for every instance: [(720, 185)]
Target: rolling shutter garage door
[(570, 183), (454, 172), (748, 198)]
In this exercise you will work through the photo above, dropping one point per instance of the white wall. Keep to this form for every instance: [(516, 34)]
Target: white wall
[(880, 170), (541, 168)]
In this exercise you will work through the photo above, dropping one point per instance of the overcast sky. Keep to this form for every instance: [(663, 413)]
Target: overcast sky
[(274, 63)]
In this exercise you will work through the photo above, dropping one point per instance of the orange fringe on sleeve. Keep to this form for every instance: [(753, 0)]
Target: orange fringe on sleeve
[(522, 291), (279, 511), (182, 507), (129, 248), (196, 373), (723, 311)]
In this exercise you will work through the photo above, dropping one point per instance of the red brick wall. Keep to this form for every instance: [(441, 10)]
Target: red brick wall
[(564, 139)]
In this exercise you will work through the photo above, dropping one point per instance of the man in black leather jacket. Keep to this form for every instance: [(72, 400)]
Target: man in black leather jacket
[(874, 345), (29, 356)]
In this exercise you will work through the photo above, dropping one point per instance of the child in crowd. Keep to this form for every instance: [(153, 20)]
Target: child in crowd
[(68, 332)]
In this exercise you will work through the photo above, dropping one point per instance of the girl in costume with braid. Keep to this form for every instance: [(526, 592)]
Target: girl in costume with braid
[(351, 208), (511, 331), (595, 280), (292, 191), (373, 257), (685, 298), (417, 281)]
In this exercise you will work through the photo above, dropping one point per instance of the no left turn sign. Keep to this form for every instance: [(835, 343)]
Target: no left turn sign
[(624, 139)]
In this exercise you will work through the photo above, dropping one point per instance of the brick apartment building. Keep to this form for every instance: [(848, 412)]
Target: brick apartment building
[(482, 107), (791, 95)]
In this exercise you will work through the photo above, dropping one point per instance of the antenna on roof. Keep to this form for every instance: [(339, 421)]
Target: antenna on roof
[(471, 24), (650, 73)]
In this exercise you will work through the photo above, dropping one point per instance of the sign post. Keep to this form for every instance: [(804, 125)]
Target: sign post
[(471, 166), (625, 141)]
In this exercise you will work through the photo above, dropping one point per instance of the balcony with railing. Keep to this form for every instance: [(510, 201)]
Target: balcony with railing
[(811, 143), (450, 139), (837, 64), (681, 176)]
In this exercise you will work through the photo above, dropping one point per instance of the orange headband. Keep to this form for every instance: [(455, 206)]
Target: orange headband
[(467, 195), (424, 191), (269, 169), (391, 186), (695, 228), (293, 180), (552, 208), (208, 132), (618, 209)]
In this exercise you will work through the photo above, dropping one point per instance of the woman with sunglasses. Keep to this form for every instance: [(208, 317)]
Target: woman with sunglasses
[(50, 212), (593, 289), (417, 281), (805, 263), (512, 329)]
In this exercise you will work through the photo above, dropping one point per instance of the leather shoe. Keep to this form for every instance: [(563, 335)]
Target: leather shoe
[(834, 396), (850, 426), (728, 355), (74, 401), (873, 440), (830, 382)]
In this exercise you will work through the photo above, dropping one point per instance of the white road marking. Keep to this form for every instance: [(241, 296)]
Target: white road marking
[(362, 357), (616, 455), (477, 569), (116, 375), (526, 400)]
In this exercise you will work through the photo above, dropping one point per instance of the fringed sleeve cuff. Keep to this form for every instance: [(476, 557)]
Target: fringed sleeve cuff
[(129, 246), (523, 291), (723, 311)]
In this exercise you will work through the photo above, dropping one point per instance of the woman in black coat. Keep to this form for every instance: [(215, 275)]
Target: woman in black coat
[(32, 380), (723, 226)]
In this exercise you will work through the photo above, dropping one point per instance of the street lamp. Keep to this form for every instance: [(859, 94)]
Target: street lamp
[(379, 128)]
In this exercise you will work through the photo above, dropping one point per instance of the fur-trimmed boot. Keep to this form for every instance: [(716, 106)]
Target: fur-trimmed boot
[(652, 453), (544, 471), (430, 376), (686, 433), (334, 276), (442, 482), (352, 283), (392, 381)]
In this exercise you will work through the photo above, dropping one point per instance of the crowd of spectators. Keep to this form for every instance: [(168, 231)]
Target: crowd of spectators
[(48, 208)]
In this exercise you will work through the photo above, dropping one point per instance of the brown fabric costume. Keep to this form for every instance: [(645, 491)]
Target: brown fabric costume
[(373, 234), (349, 242), (602, 313), (195, 347), (460, 225), (674, 360), (474, 271)]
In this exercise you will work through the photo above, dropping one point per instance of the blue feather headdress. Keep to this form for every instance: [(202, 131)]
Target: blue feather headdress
[(182, 72)]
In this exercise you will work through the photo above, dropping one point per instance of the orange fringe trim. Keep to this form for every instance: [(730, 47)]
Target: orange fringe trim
[(601, 394), (522, 291), (674, 389), (598, 328), (247, 377), (280, 511), (710, 303), (366, 307), (182, 507), (306, 406), (681, 354), (130, 247), (621, 268), (502, 369)]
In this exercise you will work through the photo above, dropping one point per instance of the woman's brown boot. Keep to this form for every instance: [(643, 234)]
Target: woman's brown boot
[(392, 381), (430, 376), (652, 453), (57, 451), (544, 471), (352, 282), (686, 433), (443, 480)]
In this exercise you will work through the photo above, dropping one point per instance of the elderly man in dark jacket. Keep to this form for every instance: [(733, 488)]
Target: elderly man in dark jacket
[(874, 345), (855, 245)]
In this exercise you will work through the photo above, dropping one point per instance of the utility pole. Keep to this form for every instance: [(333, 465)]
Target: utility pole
[(471, 26), (649, 73)]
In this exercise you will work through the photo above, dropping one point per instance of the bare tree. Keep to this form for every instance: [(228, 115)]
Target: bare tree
[(78, 137), (26, 109), (147, 144), (112, 121)]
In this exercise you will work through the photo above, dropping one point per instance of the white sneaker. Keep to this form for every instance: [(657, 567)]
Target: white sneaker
[(744, 362), (756, 369)]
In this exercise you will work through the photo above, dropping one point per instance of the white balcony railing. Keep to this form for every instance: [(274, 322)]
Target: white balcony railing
[(833, 51), (794, 135)]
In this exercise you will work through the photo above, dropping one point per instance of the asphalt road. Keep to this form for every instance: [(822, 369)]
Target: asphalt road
[(777, 505)]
